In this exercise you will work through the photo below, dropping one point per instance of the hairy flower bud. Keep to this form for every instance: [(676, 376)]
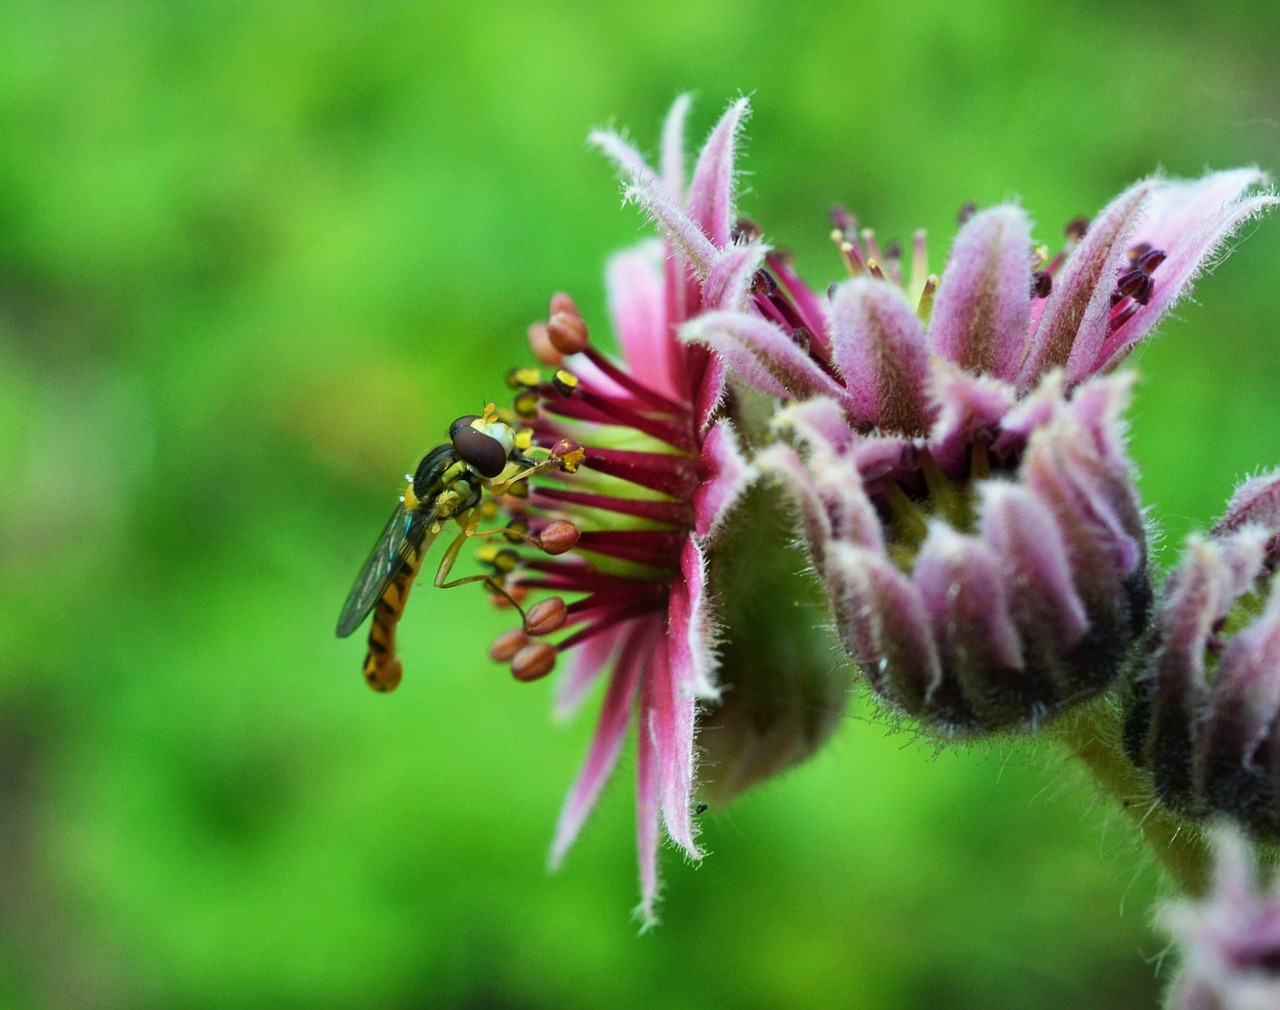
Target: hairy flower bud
[(1230, 941), (1204, 714), (783, 695), (993, 574)]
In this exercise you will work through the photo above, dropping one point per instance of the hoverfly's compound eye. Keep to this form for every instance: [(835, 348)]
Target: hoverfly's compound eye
[(484, 452), (463, 422)]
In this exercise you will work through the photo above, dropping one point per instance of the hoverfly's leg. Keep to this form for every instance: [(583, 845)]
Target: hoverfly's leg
[(525, 474), (382, 669), (451, 555), (565, 455)]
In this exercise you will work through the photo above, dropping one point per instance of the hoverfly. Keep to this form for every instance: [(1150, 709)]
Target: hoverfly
[(483, 453)]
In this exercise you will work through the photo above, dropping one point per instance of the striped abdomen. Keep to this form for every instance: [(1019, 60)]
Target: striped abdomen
[(382, 670)]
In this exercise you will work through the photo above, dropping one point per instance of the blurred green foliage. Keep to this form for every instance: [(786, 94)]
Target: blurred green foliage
[(255, 256)]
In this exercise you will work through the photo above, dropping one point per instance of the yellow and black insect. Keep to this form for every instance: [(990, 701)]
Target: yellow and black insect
[(483, 453)]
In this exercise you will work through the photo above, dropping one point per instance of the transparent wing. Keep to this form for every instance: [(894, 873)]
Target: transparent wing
[(405, 533)]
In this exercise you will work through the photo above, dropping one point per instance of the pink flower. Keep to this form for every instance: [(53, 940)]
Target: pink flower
[(1230, 940), (661, 470), (957, 455)]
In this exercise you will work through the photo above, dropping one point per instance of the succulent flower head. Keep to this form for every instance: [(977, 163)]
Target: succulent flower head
[(957, 457)]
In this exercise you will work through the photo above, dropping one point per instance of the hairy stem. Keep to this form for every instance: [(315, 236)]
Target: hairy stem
[(1092, 734)]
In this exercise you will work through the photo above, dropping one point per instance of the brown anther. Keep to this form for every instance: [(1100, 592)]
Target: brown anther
[(543, 349), (533, 662), (511, 594), (562, 302), (1149, 260), (567, 332), (546, 616), (1138, 251), (569, 454), (559, 536), (762, 283), (1133, 282), (506, 645), (745, 230), (1041, 284), (1076, 228), (966, 211), (802, 338)]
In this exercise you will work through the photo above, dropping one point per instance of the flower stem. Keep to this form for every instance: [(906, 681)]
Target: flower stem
[(1092, 734)]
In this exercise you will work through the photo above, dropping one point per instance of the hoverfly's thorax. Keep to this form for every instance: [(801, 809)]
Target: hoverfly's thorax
[(430, 477)]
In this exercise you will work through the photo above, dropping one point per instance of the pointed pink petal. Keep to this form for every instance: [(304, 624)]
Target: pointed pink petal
[(1196, 598), (1023, 533), (1246, 687), (630, 162), (964, 404), (783, 465), (1033, 411), (606, 745), (1183, 206), (1074, 323), (1243, 553), (691, 628), (673, 148), (648, 798), (711, 390), (818, 422), (879, 347), (1100, 406), (711, 191), (723, 475), (884, 626), (761, 354), (668, 713), (586, 664), (1256, 501), (637, 306), (965, 595), (726, 287), (676, 226), (1095, 508), (980, 314), (1173, 278)]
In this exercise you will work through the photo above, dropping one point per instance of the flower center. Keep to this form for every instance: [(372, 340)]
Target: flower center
[(631, 499)]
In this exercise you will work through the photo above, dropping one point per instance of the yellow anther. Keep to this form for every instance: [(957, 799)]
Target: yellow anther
[(570, 462), (524, 377), (565, 382)]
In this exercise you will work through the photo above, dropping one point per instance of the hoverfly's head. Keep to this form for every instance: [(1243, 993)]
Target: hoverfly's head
[(483, 442)]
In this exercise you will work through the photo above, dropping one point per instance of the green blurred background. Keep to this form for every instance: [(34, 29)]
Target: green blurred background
[(254, 257)]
